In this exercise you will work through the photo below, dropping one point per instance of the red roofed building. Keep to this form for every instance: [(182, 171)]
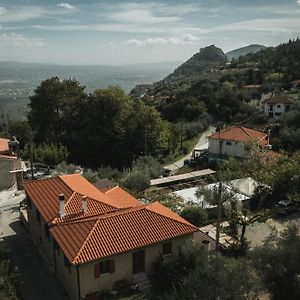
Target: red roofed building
[(277, 105), (93, 238), (8, 164), (231, 141)]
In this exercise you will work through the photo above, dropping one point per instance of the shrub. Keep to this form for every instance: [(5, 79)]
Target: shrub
[(195, 215)]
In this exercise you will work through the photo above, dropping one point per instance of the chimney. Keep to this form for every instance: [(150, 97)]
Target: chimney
[(84, 204), (61, 198), (206, 246)]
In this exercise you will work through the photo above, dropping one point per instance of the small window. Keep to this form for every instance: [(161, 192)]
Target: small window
[(47, 233), (167, 248), (228, 143), (277, 114), (104, 267), (271, 107), (278, 105), (38, 216)]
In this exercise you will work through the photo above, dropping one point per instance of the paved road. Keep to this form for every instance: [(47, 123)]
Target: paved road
[(36, 282), (201, 144)]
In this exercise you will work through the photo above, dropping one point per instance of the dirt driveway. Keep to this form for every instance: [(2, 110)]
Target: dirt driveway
[(258, 232)]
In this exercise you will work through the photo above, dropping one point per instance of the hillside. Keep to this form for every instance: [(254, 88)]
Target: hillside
[(236, 53), (193, 69)]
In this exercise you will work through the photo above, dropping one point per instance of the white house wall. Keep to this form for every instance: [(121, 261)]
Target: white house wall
[(230, 148)]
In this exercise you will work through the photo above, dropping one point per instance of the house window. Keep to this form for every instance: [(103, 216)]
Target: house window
[(104, 267), (167, 248), (38, 216), (271, 107), (277, 114), (47, 233), (228, 143), (278, 105)]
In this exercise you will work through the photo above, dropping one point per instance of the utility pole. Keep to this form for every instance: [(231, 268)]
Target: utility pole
[(146, 141), (181, 137), (3, 121), (31, 155), (219, 213)]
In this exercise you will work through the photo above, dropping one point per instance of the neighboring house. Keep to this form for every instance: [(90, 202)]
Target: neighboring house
[(231, 142), (277, 105), (8, 164), (91, 239), (242, 189), (253, 90)]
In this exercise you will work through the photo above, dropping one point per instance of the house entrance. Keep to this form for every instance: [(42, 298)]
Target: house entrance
[(138, 261)]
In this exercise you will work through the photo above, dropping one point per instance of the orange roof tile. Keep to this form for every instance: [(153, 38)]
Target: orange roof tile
[(44, 193), (4, 145), (121, 198), (119, 232), (241, 134), (279, 99), (103, 230)]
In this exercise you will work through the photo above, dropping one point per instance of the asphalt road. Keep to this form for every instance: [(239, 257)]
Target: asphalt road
[(201, 144), (36, 282)]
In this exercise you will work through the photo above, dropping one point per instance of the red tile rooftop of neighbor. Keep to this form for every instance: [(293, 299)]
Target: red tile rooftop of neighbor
[(105, 229), (241, 134), (4, 145), (279, 99)]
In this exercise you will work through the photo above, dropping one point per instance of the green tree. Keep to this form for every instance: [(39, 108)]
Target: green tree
[(55, 109), (195, 215), (278, 265)]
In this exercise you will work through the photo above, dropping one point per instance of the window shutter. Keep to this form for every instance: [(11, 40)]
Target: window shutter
[(97, 270), (111, 266)]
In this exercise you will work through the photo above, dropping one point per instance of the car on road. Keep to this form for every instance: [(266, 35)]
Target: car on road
[(286, 207)]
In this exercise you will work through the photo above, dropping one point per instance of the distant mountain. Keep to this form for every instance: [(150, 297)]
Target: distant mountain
[(236, 53), (199, 66)]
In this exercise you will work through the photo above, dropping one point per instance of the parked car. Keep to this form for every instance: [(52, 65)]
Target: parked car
[(285, 207)]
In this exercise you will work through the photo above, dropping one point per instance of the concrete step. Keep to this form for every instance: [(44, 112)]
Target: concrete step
[(142, 280)]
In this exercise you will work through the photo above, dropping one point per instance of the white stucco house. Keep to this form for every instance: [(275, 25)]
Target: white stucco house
[(277, 105), (231, 141)]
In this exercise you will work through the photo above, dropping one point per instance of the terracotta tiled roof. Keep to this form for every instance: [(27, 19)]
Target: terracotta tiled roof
[(241, 134), (44, 193), (279, 99), (4, 145), (119, 232), (104, 229), (252, 86), (121, 198)]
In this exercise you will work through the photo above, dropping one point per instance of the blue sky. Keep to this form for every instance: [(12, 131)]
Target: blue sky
[(121, 32)]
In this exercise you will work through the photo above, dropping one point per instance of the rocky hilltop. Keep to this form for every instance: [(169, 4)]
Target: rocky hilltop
[(199, 66)]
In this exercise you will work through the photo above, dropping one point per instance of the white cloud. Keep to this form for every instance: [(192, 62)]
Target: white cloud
[(141, 16), (66, 5), (174, 40), (18, 13), (3, 11), (8, 40), (298, 1), (276, 25)]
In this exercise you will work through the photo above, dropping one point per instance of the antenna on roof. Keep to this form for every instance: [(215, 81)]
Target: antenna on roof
[(84, 204), (61, 198)]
